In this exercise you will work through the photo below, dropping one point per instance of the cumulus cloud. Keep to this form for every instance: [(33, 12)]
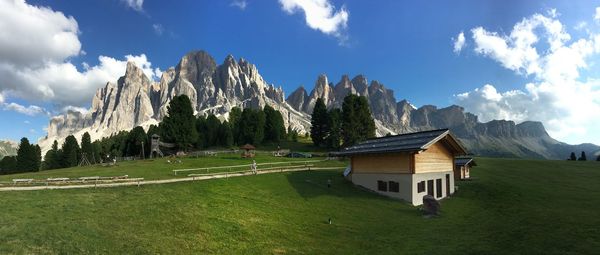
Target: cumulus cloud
[(33, 35), (36, 46), (539, 46), (31, 110), (320, 15), (136, 5), (242, 4), (459, 42), (597, 14)]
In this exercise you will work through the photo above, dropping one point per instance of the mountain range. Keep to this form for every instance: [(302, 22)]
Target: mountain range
[(134, 100), (8, 148)]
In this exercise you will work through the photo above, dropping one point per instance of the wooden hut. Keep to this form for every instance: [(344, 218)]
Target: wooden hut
[(248, 151), (407, 166), (462, 167)]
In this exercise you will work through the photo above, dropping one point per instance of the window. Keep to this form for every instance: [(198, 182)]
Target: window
[(394, 186), (382, 186), (421, 187), (438, 187), (430, 187)]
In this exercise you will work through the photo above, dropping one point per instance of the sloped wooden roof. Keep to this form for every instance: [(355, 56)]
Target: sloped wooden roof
[(410, 142), (464, 161)]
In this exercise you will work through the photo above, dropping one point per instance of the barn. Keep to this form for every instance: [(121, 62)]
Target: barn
[(406, 166)]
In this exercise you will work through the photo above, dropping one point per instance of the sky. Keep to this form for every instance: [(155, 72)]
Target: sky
[(514, 60)]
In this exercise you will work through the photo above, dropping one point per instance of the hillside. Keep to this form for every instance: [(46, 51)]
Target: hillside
[(512, 206), (134, 100)]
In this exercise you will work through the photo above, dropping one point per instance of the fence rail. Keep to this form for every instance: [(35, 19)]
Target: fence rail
[(208, 169)]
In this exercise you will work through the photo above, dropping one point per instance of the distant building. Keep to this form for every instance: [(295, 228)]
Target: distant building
[(406, 166), (462, 167)]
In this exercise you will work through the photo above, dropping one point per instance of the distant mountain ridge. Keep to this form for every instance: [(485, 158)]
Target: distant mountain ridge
[(134, 100), (8, 148)]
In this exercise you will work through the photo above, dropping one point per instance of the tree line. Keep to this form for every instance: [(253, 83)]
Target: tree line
[(180, 127), (335, 128), (583, 157)]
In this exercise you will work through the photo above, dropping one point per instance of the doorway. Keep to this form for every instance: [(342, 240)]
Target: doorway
[(430, 187)]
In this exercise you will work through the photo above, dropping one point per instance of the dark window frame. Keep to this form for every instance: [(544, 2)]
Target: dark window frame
[(421, 187), (382, 186), (393, 186), (438, 188)]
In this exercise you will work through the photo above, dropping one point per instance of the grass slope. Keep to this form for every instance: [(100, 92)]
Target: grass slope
[(159, 168), (513, 206)]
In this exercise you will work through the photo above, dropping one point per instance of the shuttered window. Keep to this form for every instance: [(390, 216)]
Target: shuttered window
[(438, 187)]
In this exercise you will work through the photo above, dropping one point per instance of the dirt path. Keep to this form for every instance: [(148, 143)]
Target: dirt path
[(139, 183)]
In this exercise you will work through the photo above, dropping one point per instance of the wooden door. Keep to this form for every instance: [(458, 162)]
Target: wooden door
[(430, 187)]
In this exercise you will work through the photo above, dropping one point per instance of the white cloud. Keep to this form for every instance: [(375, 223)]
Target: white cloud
[(36, 46), (158, 29), (320, 15), (242, 4), (31, 110), (33, 35), (567, 104), (597, 14), (459, 42), (580, 26), (27, 122), (136, 5)]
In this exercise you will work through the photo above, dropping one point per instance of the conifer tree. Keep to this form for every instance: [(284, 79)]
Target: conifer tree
[(234, 120), (70, 152), (573, 157), (212, 130), (319, 128), (334, 121), (179, 125), (357, 121), (583, 157), (86, 146), (28, 158), (274, 127)]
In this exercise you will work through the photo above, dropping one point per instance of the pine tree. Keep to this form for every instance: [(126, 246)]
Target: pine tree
[(226, 134), (179, 126), (212, 130), (234, 120), (86, 146), (28, 158), (274, 126), (70, 152), (202, 141), (573, 157), (334, 121), (583, 157), (52, 159), (135, 138), (357, 121), (598, 158), (319, 128), (252, 126)]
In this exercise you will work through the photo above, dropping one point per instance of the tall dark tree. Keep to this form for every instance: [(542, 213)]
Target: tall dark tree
[(8, 165), (582, 157), (52, 158), (274, 126), (28, 156), (179, 126), (334, 121), (252, 126), (136, 137), (234, 121), (573, 157), (225, 134), (357, 121), (70, 152), (86, 146), (319, 128), (213, 125), (598, 158), (202, 141)]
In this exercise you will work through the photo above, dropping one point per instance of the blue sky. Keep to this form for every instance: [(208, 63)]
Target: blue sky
[(406, 45)]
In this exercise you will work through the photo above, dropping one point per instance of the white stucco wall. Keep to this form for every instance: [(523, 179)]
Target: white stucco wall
[(407, 184)]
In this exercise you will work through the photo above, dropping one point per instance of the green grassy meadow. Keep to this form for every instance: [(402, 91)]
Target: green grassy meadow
[(511, 207)]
